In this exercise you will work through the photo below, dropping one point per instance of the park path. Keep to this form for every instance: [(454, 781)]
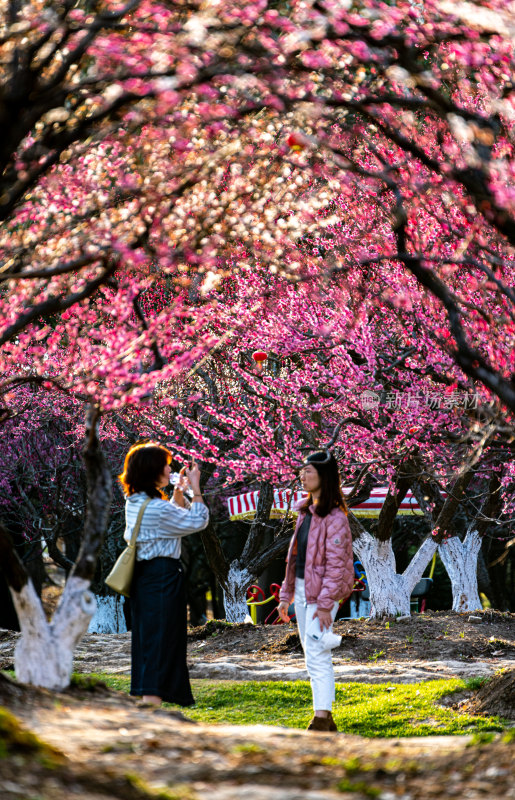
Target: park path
[(219, 762), (111, 653)]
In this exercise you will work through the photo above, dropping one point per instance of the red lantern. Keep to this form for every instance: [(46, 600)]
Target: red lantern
[(297, 141), (259, 357)]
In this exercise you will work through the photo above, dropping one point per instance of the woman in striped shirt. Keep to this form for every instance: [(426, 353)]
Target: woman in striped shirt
[(158, 596)]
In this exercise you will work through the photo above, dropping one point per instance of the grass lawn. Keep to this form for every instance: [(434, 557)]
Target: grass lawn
[(374, 710)]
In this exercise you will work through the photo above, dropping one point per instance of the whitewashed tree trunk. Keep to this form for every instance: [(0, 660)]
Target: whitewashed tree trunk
[(44, 652), (460, 560), (235, 594), (390, 592), (109, 616)]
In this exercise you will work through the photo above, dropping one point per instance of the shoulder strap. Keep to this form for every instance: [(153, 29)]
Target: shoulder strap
[(136, 528)]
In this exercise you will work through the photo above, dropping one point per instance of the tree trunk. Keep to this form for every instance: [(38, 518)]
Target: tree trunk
[(8, 615), (261, 523), (44, 652), (236, 577), (460, 561), (214, 553), (109, 616), (390, 592), (235, 594)]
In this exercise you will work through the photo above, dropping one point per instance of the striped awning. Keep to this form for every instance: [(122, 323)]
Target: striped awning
[(243, 506)]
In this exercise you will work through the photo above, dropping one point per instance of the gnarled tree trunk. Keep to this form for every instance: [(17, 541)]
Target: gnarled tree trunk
[(109, 616), (460, 560), (235, 593), (44, 652), (237, 576), (390, 591)]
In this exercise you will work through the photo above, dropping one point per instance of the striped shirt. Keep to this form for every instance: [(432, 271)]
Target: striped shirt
[(163, 525)]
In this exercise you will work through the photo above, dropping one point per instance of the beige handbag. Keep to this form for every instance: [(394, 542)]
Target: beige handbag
[(120, 577)]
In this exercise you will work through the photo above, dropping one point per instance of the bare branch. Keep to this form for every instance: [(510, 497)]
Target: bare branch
[(260, 522)]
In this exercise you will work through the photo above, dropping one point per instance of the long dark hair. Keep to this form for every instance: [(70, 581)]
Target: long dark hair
[(330, 490), (144, 464)]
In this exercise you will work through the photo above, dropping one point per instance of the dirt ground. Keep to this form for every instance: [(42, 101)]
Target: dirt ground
[(95, 744), (100, 744), (432, 645), (433, 636)]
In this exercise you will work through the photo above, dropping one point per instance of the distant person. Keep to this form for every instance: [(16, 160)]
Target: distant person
[(158, 596), (319, 573)]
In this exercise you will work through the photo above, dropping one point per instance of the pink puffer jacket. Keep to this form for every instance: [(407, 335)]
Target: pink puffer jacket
[(329, 572)]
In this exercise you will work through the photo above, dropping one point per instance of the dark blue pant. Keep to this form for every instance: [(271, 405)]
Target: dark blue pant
[(159, 634)]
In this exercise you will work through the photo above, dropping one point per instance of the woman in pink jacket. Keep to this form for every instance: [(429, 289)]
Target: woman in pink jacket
[(319, 573)]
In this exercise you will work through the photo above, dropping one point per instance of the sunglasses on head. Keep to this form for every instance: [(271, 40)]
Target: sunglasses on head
[(325, 460)]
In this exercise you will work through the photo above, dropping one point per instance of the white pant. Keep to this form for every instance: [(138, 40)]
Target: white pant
[(319, 662)]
